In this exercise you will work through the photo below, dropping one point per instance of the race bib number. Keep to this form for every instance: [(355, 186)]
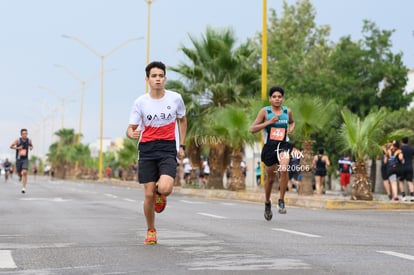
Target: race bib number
[(277, 134)]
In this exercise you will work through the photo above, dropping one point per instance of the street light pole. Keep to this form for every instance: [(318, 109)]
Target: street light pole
[(149, 2), (264, 68), (83, 84), (102, 58), (61, 99)]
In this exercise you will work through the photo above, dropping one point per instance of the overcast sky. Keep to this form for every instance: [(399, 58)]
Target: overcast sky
[(32, 87)]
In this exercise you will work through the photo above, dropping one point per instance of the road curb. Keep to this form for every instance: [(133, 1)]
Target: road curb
[(328, 202)]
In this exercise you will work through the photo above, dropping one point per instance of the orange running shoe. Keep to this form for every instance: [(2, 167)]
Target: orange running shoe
[(151, 236), (160, 202)]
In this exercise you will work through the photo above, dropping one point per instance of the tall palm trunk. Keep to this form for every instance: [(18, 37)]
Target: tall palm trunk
[(237, 180), (218, 160), (373, 173), (361, 187), (194, 154), (306, 188)]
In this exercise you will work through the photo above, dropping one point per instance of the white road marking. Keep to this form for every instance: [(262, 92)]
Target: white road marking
[(6, 259), (129, 200), (211, 215), (297, 233), (111, 196), (228, 203), (192, 202), (44, 199), (396, 254)]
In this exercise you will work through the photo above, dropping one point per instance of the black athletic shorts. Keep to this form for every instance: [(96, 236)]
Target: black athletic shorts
[(406, 174), (271, 152), (150, 170), (321, 173)]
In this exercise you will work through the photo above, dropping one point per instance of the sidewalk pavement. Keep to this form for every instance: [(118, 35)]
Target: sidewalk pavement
[(332, 200)]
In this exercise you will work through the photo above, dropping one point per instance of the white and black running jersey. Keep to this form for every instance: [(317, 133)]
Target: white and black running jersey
[(157, 120)]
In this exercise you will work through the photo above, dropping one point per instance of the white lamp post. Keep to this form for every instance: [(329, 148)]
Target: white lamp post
[(61, 99), (83, 84), (102, 58)]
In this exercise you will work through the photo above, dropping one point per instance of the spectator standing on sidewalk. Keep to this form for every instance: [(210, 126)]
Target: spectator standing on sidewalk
[(385, 180), (187, 170), (108, 172), (258, 173), (158, 121), (206, 172), (320, 164), (394, 160), (277, 123), (243, 167), (295, 176), (345, 171), (120, 173), (407, 169)]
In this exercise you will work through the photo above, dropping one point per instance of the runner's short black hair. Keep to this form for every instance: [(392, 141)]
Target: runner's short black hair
[(276, 89), (155, 64), (321, 150)]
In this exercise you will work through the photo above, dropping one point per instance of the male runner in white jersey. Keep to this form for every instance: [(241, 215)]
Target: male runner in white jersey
[(153, 120)]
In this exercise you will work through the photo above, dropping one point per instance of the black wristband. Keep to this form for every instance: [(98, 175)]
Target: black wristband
[(182, 146)]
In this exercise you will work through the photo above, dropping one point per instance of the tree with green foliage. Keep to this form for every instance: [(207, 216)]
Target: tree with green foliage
[(364, 138), (233, 129), (298, 50), (312, 114), (367, 74), (64, 153), (219, 72), (128, 157)]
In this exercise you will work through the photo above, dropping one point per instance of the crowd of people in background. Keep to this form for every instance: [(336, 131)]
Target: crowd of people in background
[(397, 169)]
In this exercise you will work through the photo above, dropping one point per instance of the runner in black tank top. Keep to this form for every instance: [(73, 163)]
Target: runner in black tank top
[(320, 164)]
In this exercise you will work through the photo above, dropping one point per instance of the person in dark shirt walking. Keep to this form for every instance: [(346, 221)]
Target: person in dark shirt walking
[(407, 170), (394, 160), (320, 164)]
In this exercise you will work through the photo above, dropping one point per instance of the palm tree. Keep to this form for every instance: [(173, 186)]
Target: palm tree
[(63, 153), (218, 74), (128, 156), (311, 115), (363, 138), (231, 125)]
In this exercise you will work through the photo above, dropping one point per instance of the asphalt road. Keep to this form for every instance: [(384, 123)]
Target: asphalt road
[(62, 227)]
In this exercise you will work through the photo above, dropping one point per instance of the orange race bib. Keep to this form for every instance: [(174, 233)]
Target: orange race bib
[(277, 134)]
